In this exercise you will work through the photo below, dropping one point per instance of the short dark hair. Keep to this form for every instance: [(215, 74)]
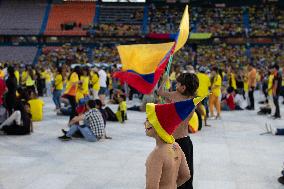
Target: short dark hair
[(190, 81), (91, 104), (99, 103), (230, 90), (215, 69), (276, 66), (123, 97)]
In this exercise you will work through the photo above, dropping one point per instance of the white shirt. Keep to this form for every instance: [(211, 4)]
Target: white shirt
[(103, 78), (240, 101)]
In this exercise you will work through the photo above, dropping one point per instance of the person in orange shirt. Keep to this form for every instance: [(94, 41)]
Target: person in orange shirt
[(71, 89), (251, 85)]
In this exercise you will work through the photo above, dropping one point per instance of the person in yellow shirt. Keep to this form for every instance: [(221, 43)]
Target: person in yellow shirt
[(71, 89), (30, 80), (24, 76), (84, 80), (95, 81), (17, 74), (232, 78), (58, 87), (120, 114), (36, 107), (214, 98), (2, 73), (270, 89), (251, 85), (203, 90)]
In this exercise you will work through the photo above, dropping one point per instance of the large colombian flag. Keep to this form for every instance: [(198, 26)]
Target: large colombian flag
[(165, 118), (143, 64)]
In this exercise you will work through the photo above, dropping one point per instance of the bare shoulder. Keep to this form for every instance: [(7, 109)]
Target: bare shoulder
[(173, 96), (157, 153)]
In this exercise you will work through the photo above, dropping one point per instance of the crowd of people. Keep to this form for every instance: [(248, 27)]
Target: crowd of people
[(80, 93), (106, 54), (164, 19), (114, 29), (222, 54), (219, 21), (65, 54), (266, 21)]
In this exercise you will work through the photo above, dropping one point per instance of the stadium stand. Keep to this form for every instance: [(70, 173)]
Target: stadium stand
[(23, 55), (219, 21), (164, 19), (64, 54), (120, 20), (21, 17), (266, 21), (221, 54), (70, 18)]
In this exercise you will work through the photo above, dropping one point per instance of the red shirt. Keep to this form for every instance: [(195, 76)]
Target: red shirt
[(2, 90), (230, 102)]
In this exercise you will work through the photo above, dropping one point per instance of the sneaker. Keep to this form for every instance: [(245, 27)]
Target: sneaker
[(108, 137), (211, 118), (64, 132), (273, 130), (218, 117), (64, 138), (276, 117), (281, 180)]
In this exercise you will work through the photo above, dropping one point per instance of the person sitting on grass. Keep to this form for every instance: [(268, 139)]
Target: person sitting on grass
[(228, 103), (90, 124), (99, 106), (120, 115), (146, 99), (36, 107)]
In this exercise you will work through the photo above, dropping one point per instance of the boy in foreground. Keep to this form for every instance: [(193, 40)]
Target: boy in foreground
[(187, 84), (166, 166)]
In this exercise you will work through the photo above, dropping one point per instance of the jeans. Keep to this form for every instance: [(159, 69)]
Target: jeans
[(276, 103), (251, 98), (56, 98), (85, 130), (48, 88), (72, 101), (280, 132), (205, 104)]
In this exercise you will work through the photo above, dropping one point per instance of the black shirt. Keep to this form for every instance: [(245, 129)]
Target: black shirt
[(277, 78), (11, 84)]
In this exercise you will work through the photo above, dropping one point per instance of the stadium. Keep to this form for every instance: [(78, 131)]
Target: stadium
[(118, 94)]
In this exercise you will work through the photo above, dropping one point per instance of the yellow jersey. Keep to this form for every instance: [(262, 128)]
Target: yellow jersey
[(216, 86), (72, 85), (233, 81), (95, 82), (204, 84), (36, 109), (58, 82), (85, 84), (17, 75), (270, 84)]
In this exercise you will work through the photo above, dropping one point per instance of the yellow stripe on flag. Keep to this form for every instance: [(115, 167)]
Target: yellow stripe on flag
[(143, 58), (183, 30)]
